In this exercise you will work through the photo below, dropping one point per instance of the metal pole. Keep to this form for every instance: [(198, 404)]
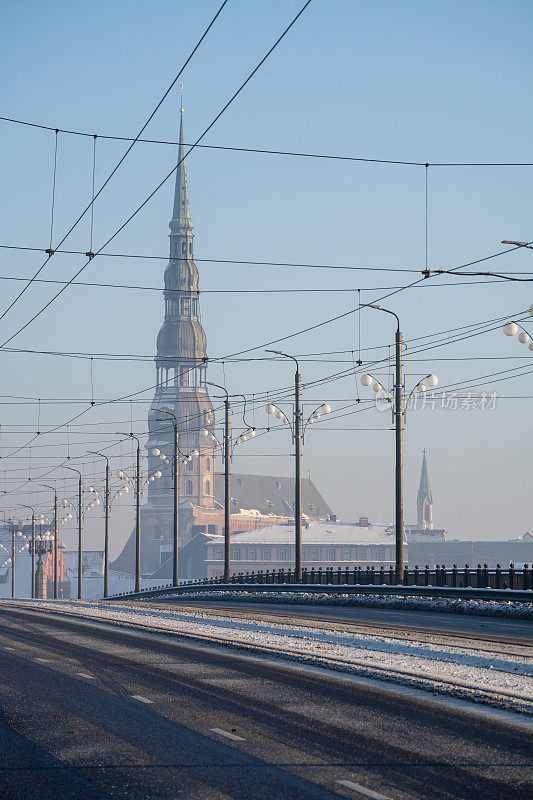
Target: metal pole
[(297, 480), (227, 524), (175, 528), (137, 522), (33, 554), (399, 464), (106, 532), (13, 560), (80, 537), (56, 576)]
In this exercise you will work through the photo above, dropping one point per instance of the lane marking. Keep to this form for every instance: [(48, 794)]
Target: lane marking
[(362, 790), (42, 660), (141, 698), (84, 675), (227, 734)]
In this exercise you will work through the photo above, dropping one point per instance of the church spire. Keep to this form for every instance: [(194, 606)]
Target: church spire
[(181, 221), (424, 501)]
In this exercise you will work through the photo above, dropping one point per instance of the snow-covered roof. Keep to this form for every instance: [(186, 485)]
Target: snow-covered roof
[(316, 533)]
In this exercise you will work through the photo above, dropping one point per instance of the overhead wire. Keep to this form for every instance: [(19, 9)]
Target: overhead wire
[(172, 171), (329, 156), (121, 160)]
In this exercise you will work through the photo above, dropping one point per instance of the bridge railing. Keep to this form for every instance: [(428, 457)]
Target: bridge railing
[(441, 576)]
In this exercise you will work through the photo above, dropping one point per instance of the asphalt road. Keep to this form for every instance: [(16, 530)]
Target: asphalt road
[(497, 628), (88, 711)]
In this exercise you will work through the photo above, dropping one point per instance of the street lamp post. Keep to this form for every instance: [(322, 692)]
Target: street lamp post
[(80, 530), (56, 576), (175, 497), (106, 522), (398, 423), (398, 416), (137, 513), (32, 549), (227, 497), (297, 468), (13, 556)]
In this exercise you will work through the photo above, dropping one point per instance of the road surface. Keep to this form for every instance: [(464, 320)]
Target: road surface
[(88, 711)]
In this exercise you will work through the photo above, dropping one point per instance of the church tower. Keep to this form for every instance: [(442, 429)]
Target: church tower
[(424, 500), (181, 361)]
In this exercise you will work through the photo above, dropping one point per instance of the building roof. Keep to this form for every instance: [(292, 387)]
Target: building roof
[(271, 494), (319, 533)]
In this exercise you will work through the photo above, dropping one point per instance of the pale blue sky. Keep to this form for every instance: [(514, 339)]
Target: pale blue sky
[(409, 81)]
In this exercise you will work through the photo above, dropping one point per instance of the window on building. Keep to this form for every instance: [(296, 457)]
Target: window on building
[(267, 555), (219, 553), (252, 555), (157, 532), (346, 553), (188, 487), (190, 248), (208, 463), (184, 247), (185, 305), (184, 378), (315, 553), (332, 554), (212, 529), (207, 488), (190, 465), (282, 554), (195, 306), (237, 554)]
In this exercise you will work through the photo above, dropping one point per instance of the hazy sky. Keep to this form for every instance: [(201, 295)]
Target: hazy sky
[(414, 81)]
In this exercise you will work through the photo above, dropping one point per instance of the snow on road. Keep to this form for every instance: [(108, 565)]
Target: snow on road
[(496, 673)]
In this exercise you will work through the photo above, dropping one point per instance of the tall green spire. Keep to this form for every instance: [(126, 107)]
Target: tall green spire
[(424, 500), (181, 221)]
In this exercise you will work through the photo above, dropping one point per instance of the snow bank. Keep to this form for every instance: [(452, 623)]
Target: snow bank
[(449, 605), (481, 671)]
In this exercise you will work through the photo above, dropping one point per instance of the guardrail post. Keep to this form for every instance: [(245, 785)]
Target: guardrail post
[(372, 575), (347, 575), (391, 576), (426, 575), (467, 574), (382, 575), (320, 576), (526, 580), (511, 576), (313, 575), (454, 575), (417, 575), (479, 577), (485, 575), (443, 575), (498, 576), (406, 575)]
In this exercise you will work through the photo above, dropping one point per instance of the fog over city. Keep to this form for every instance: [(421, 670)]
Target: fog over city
[(328, 91)]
